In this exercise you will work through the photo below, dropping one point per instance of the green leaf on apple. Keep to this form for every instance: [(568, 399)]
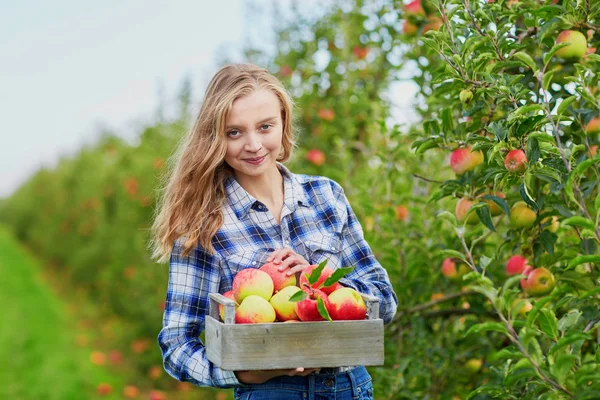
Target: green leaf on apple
[(527, 198), (298, 296), (485, 216), (500, 202), (316, 273), (323, 310), (336, 276)]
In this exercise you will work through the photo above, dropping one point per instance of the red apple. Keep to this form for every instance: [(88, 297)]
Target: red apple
[(539, 282), (521, 216), (254, 310), (280, 279), (326, 114), (409, 29), (316, 157), (346, 304), (326, 273), (229, 294), (360, 52), (401, 213), (307, 309), (251, 281), (434, 23), (449, 269), (515, 161), (285, 71), (516, 265), (284, 309), (414, 8), (592, 126), (131, 392), (526, 271), (577, 45), (593, 150), (104, 389), (463, 160), (462, 207)]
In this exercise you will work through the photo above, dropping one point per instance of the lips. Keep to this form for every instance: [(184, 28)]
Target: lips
[(256, 160)]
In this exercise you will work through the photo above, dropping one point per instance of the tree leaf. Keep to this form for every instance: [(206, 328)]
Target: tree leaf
[(487, 326), (499, 201), (564, 104), (548, 323), (568, 320), (323, 310), (587, 259), (553, 50), (534, 150), (527, 198), (578, 221), (336, 276), (567, 340), (298, 296), (316, 273), (486, 217), (525, 59)]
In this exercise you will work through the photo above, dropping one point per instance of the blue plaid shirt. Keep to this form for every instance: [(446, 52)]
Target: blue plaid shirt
[(317, 222)]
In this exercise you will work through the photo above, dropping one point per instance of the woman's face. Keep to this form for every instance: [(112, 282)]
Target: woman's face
[(254, 131)]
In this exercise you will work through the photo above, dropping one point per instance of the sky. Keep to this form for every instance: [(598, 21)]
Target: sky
[(70, 69)]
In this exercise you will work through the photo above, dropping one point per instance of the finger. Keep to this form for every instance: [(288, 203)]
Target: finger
[(291, 261), (308, 371), (297, 269), (278, 255)]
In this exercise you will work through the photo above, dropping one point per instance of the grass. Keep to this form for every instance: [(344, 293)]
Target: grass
[(37, 352)]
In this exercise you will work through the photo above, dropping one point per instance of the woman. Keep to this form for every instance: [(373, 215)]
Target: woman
[(230, 204)]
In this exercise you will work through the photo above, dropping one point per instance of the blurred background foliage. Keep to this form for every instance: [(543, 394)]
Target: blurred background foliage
[(88, 219)]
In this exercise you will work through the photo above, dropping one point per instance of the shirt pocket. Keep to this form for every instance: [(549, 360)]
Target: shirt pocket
[(247, 259), (324, 246)]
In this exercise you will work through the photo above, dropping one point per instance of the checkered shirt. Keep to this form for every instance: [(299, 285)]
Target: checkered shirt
[(317, 222)]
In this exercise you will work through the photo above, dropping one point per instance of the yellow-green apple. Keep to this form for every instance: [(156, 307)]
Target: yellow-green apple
[(326, 273), (414, 8), (284, 308), (473, 365), (254, 310), (251, 281), (515, 161), (516, 265), (552, 223), (539, 282), (521, 307), (521, 216), (465, 96), (346, 304), (449, 269), (229, 295), (576, 47), (462, 207), (280, 279), (307, 309), (463, 160), (495, 209), (592, 126), (316, 157), (401, 213)]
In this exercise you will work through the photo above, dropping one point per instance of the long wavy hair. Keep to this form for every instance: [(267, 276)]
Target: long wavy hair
[(193, 192)]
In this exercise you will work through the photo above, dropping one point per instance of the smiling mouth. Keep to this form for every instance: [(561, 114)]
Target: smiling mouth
[(255, 159)]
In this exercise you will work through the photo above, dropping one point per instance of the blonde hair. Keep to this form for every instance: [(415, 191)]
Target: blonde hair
[(193, 192)]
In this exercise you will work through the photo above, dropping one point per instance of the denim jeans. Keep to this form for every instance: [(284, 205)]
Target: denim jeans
[(354, 384)]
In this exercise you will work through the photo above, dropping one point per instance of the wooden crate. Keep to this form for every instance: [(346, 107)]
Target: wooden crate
[(278, 345)]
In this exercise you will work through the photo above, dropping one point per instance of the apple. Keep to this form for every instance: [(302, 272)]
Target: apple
[(285, 71), (316, 157), (435, 23), (516, 265), (409, 29), (515, 161), (104, 389), (284, 309), (254, 310), (463, 160), (525, 307), (539, 282), (131, 392), (473, 365), (326, 273), (465, 96), (346, 304), (401, 213), (307, 309), (592, 126), (463, 205), (521, 216), (326, 113), (576, 47), (414, 8), (449, 269), (526, 271), (280, 279), (251, 281), (360, 52), (552, 223), (495, 209), (593, 150), (229, 294)]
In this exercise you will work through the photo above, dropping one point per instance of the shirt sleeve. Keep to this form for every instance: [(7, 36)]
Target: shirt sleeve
[(368, 276), (191, 279)]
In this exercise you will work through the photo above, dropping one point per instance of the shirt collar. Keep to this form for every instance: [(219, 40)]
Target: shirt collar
[(241, 201)]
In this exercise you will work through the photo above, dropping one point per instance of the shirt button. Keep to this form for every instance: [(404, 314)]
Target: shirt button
[(333, 248), (253, 262)]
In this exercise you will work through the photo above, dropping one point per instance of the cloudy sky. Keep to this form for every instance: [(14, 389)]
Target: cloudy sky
[(71, 68)]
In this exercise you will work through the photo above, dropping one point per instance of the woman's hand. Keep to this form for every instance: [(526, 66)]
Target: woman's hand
[(289, 260), (261, 376)]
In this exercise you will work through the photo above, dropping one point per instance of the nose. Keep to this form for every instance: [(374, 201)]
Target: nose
[(253, 143)]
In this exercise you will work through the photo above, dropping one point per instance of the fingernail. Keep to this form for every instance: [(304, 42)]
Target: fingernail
[(269, 259), (276, 261)]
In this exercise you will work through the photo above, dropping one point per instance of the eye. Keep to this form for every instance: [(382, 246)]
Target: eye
[(266, 126), (233, 133)]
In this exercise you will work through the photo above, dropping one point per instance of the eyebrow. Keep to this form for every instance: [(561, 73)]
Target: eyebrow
[(260, 122)]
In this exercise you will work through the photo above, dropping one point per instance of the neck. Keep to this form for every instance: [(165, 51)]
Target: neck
[(267, 188)]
